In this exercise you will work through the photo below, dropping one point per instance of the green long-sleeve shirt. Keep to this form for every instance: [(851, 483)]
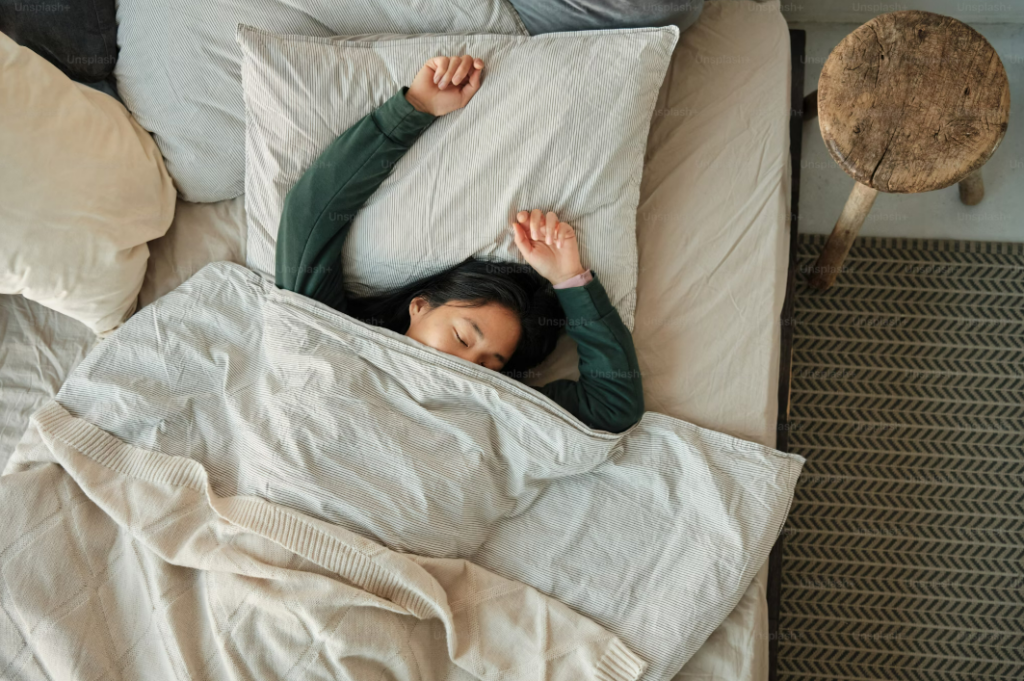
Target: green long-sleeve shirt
[(319, 210)]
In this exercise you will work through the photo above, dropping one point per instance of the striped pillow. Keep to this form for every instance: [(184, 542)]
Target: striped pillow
[(178, 67), (560, 123)]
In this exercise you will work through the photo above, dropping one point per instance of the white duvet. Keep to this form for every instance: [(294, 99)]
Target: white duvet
[(654, 533)]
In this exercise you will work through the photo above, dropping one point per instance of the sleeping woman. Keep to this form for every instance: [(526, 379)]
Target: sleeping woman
[(505, 317)]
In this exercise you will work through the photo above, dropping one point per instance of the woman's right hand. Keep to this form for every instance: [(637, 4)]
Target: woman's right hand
[(548, 245), (445, 84)]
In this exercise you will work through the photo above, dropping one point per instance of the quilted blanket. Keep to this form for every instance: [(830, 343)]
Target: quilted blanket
[(654, 533), (119, 563)]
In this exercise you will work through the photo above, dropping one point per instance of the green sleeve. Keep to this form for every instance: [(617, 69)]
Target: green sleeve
[(319, 209), (609, 395)]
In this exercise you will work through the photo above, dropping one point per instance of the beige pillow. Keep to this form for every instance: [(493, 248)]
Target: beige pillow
[(82, 189), (201, 233)]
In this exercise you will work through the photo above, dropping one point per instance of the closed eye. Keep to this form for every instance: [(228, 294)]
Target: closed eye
[(460, 339)]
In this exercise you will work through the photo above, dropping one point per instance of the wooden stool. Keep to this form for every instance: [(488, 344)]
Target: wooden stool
[(909, 102)]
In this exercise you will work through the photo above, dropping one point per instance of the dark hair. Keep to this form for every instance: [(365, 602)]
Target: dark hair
[(475, 283)]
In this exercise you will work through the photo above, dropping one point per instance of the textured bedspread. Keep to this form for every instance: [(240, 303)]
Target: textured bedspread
[(119, 563), (654, 533)]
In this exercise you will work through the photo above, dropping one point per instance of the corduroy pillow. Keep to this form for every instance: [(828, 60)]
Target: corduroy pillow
[(83, 188), (560, 123)]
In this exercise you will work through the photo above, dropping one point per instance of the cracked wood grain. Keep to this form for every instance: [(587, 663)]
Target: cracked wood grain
[(912, 101)]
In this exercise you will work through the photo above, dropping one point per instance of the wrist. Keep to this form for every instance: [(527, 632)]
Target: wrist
[(416, 103), (559, 278)]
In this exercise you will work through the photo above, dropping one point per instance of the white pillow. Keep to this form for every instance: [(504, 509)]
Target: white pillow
[(560, 123), (82, 189), (178, 67)]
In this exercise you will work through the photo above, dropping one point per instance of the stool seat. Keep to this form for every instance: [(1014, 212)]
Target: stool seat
[(912, 101)]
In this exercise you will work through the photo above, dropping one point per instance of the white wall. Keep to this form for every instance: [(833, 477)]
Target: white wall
[(859, 11)]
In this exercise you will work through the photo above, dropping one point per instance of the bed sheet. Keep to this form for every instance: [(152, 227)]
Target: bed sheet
[(713, 241), (712, 233), (201, 233), (40, 348)]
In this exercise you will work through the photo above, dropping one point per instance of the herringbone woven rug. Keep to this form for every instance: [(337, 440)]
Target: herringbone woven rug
[(904, 549)]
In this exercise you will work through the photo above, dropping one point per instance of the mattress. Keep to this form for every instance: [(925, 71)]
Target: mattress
[(713, 242), (712, 236)]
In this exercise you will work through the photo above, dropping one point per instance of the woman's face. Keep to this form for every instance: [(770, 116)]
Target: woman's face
[(486, 335)]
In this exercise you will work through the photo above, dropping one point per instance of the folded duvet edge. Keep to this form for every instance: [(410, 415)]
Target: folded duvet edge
[(617, 663)]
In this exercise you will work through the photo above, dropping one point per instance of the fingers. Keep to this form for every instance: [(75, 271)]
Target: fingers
[(545, 227), (551, 228), (464, 68), (536, 224), (565, 232), (453, 66), (474, 81), (456, 70), (440, 66), (523, 221), (522, 242)]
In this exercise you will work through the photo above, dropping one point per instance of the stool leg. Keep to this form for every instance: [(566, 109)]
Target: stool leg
[(811, 106), (972, 189), (830, 261)]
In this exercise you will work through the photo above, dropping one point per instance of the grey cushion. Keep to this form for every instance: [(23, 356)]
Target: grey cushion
[(179, 72), (550, 16)]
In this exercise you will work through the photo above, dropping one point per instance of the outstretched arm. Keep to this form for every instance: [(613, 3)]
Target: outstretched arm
[(320, 207), (609, 395)]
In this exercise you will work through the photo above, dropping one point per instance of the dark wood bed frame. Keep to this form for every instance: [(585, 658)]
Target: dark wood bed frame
[(797, 42)]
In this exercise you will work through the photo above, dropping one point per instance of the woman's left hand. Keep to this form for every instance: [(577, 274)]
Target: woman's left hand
[(445, 84), (548, 245)]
